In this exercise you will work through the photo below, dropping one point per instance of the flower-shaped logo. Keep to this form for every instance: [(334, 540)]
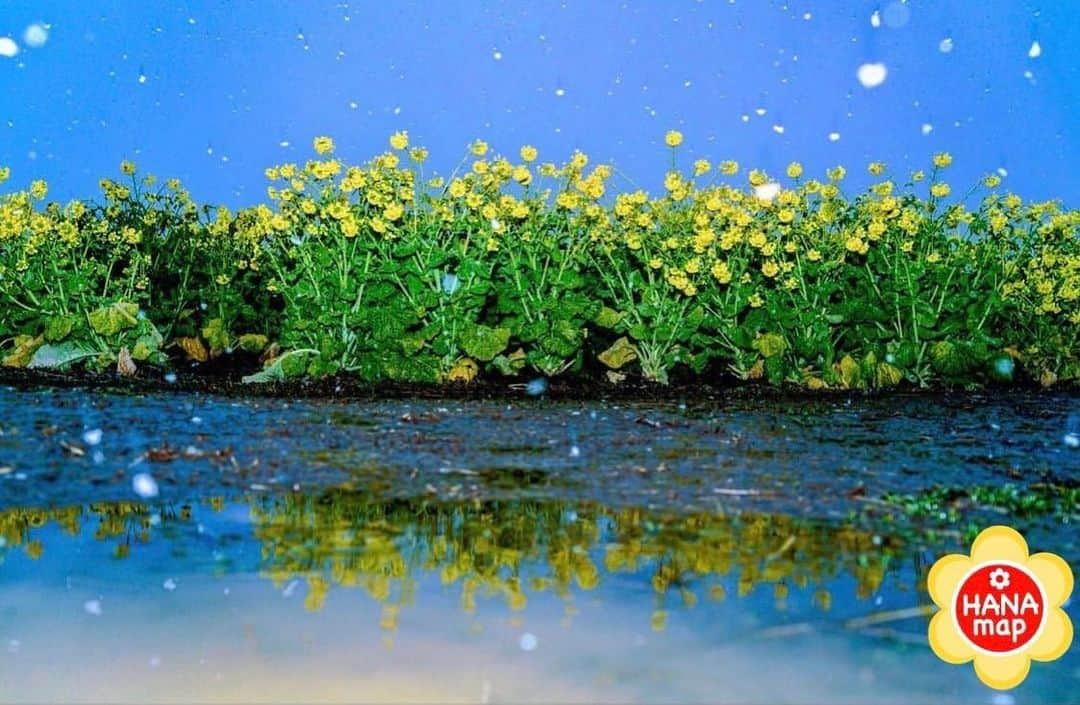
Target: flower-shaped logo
[(1000, 607)]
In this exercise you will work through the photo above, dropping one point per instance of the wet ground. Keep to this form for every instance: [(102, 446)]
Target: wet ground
[(190, 547)]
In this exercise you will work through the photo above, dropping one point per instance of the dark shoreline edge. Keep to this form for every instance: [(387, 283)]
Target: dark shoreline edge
[(345, 387)]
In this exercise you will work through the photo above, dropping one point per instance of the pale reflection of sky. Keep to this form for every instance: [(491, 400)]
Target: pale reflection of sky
[(174, 623), (213, 92)]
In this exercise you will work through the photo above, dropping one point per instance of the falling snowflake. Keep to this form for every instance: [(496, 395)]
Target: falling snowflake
[(872, 75), (8, 47), (36, 35)]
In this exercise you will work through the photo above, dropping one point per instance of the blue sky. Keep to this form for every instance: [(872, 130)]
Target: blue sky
[(213, 92)]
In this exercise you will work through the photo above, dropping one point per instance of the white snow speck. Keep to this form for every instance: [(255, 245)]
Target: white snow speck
[(560, 92), (926, 129), (1035, 51), (834, 136), (945, 45), (1072, 440), (875, 19), (575, 452), (92, 437), (528, 642), (36, 35), (144, 485), (92, 607), (8, 47), (1002, 172), (872, 75), (778, 129), (497, 55), (767, 192), (169, 584)]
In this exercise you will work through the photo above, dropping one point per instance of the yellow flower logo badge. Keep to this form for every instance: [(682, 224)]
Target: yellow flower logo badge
[(1000, 607)]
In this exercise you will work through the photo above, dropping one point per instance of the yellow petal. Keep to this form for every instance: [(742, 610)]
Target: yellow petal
[(1054, 574), (946, 641), (1002, 672), (1055, 638), (999, 543), (944, 576)]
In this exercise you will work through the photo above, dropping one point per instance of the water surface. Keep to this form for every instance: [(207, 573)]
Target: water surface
[(521, 550)]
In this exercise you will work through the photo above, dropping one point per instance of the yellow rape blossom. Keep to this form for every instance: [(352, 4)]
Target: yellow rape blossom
[(940, 190), (479, 148), (942, 160)]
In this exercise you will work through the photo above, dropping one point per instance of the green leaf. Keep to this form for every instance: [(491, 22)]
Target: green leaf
[(484, 343), (564, 339), (252, 342), (511, 364), (53, 356), (621, 352), (770, 344), (58, 328), (25, 346), (947, 358), (291, 364), (412, 344), (849, 372), (607, 317), (216, 334), (886, 375), (110, 320)]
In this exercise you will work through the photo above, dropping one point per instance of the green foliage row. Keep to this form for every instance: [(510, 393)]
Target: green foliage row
[(523, 268)]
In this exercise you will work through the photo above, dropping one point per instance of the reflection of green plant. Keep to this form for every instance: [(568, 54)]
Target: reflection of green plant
[(127, 521), (514, 548), (509, 549)]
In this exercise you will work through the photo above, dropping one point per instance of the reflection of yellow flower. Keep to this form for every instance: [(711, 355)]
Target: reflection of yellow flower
[(673, 138), (965, 615), (399, 140)]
